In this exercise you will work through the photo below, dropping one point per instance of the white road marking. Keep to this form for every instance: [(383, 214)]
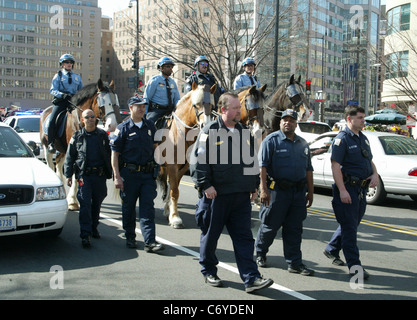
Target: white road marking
[(223, 265)]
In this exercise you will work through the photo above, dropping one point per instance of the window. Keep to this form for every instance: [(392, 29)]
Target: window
[(397, 65), (398, 19)]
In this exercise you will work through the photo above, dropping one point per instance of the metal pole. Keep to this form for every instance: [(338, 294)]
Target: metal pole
[(275, 77), (137, 46), (322, 81)]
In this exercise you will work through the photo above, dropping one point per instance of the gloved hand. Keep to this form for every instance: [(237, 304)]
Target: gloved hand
[(66, 96)]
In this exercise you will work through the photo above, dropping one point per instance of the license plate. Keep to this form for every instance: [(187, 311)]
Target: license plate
[(8, 222)]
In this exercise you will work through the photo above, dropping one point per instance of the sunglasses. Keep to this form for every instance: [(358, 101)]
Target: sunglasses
[(68, 62), (90, 117), (203, 63)]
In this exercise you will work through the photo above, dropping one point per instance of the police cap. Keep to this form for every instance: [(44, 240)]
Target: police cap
[(290, 113), (135, 100)]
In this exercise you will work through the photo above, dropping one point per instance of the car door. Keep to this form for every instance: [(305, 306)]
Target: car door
[(319, 155)]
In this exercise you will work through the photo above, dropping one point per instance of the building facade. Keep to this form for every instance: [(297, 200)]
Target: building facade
[(400, 84), (33, 36)]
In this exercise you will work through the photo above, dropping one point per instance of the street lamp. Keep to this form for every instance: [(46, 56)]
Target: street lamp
[(136, 57)]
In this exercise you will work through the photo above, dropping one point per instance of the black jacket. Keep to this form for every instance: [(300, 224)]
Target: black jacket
[(208, 79), (231, 166), (76, 157)]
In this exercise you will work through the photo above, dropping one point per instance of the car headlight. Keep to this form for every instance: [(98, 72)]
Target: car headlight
[(50, 193)]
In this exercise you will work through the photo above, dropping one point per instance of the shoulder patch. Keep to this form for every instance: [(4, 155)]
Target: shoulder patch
[(337, 142)]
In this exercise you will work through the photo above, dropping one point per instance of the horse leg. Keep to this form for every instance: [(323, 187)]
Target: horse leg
[(49, 158), (174, 218), (72, 196)]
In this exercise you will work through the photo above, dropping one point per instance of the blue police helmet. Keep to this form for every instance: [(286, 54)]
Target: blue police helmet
[(199, 59), (66, 57), (290, 113), (248, 61), (164, 61), (136, 100)]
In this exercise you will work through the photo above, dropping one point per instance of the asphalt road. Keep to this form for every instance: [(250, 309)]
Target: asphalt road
[(32, 267)]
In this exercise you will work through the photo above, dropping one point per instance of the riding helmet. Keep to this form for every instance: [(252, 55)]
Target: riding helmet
[(66, 57)]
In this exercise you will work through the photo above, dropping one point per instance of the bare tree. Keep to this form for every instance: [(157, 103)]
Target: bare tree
[(225, 31)]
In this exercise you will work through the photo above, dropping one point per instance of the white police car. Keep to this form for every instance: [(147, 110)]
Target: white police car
[(32, 197)]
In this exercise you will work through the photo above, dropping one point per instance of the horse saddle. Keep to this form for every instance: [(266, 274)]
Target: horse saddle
[(161, 123), (61, 120)]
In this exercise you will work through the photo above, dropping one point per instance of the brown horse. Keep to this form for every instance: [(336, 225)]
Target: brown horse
[(97, 97), (286, 95), (252, 104), (193, 111)]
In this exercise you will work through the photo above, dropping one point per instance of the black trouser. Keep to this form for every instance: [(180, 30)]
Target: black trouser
[(56, 110)]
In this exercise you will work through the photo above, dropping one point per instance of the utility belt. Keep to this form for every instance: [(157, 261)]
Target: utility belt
[(147, 168), (355, 181), (99, 171), (284, 184)]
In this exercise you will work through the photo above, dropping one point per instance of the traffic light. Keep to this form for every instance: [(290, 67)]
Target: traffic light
[(134, 60), (308, 87)]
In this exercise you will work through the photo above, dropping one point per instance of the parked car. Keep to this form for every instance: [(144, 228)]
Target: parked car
[(395, 158), (309, 130), (32, 197), (28, 127)]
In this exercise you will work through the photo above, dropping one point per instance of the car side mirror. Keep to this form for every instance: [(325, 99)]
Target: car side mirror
[(34, 147)]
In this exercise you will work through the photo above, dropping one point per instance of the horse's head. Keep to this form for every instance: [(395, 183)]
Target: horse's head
[(252, 101), (202, 99), (108, 104), (298, 99)]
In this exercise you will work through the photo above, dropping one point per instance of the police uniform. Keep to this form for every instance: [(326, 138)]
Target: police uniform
[(64, 85), (137, 169), (286, 163), (354, 154), (231, 207), (244, 80), (88, 157), (156, 95), (205, 79)]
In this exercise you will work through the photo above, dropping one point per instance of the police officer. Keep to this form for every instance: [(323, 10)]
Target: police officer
[(135, 172), (286, 175), (247, 78), (88, 157), (203, 76), (64, 85), (353, 172), (161, 92), (226, 193)]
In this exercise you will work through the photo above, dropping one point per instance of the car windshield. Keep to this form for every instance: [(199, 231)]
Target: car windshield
[(398, 145), (27, 125), (313, 127), (11, 146)]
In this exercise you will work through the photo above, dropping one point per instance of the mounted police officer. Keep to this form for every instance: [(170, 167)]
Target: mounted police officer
[(88, 157), (285, 158), (64, 85), (226, 189), (247, 78), (202, 75), (135, 172), (161, 92), (353, 172)]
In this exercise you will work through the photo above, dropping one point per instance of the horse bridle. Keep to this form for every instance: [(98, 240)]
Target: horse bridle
[(294, 95), (256, 106), (114, 102), (206, 106)]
